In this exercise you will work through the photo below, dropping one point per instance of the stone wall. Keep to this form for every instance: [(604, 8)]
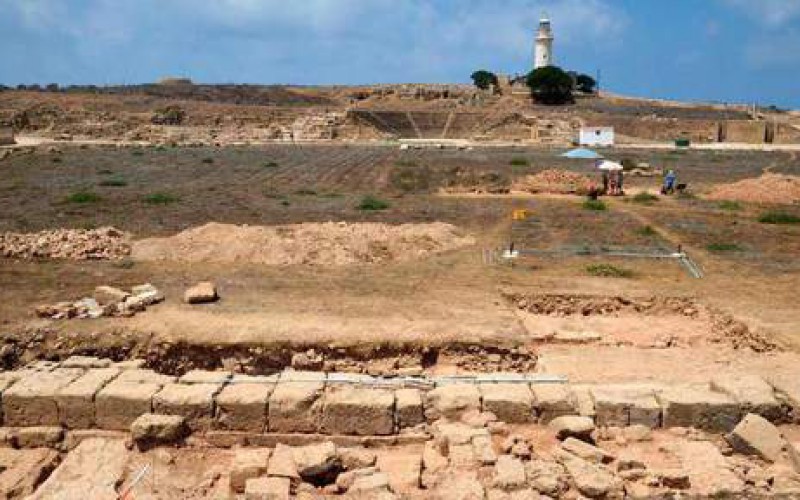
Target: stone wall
[(85, 393), (743, 131)]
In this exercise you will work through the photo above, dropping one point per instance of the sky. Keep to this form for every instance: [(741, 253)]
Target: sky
[(699, 50)]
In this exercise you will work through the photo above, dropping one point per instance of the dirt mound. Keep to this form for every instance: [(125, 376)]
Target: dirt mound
[(327, 244), (554, 181), (74, 244), (769, 188)]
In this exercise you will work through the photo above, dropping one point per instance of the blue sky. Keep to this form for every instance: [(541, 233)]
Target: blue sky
[(722, 50)]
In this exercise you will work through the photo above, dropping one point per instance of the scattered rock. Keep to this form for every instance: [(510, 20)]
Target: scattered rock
[(509, 473), (318, 464), (757, 436), (202, 293), (356, 458), (573, 426), (267, 488), (150, 429), (586, 451)]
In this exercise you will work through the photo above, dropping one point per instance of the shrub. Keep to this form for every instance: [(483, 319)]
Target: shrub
[(550, 85), (270, 164), (370, 203), (723, 247), (596, 205), (137, 152), (729, 205), (520, 161), (114, 182), (644, 198), (778, 218), (585, 84), (83, 197), (628, 164), (170, 115), (484, 79), (305, 192), (608, 271), (161, 199), (411, 178), (208, 160)]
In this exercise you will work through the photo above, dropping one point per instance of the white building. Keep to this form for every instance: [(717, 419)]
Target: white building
[(543, 53), (596, 136)]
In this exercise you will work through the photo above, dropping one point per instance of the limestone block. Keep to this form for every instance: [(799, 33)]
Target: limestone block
[(282, 463), (699, 407), (119, 403), (201, 293), (85, 362), (205, 377), (295, 405), (511, 403), (358, 411), (553, 400), (573, 426), (150, 429), (408, 408), (757, 436), (752, 392), (243, 407), (592, 480), (248, 464), (452, 401), (76, 401), (625, 405), (509, 473), (587, 451), (267, 488), (31, 401), (788, 389), (138, 376), (403, 469), (194, 402), (39, 437)]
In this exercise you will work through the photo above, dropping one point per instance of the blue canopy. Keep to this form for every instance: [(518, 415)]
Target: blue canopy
[(582, 154)]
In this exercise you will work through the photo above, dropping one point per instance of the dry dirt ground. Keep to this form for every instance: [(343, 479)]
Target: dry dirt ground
[(751, 269)]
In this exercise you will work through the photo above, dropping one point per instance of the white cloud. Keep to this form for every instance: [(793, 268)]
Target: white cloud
[(771, 13)]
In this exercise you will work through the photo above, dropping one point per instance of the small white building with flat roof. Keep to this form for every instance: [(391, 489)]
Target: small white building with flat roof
[(596, 136)]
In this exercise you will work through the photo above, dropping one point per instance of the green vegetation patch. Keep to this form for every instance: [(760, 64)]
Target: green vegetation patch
[(113, 182), (647, 231), (161, 199), (608, 271), (270, 164), (723, 247), (208, 160), (775, 217), (372, 204), (520, 161), (83, 197), (729, 205), (595, 205), (644, 198)]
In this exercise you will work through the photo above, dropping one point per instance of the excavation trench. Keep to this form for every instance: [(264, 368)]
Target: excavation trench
[(377, 359)]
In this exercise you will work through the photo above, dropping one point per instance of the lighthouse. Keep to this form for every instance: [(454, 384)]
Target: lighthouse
[(543, 53)]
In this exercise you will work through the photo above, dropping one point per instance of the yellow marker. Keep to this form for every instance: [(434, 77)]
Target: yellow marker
[(519, 214)]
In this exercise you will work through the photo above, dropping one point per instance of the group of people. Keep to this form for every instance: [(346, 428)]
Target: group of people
[(613, 183)]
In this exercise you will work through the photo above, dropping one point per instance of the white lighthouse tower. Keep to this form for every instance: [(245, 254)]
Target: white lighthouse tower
[(543, 54)]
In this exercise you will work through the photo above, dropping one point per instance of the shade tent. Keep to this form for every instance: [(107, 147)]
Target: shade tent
[(610, 166), (583, 154)]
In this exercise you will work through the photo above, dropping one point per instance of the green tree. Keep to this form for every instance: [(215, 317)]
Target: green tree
[(484, 79), (550, 85), (586, 84)]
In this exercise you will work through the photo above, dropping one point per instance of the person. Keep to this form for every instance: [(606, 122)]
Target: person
[(605, 182), (669, 182), (620, 182)]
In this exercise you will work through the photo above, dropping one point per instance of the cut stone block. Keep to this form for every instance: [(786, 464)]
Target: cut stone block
[(140, 376), (452, 401), (76, 401), (788, 389), (553, 400), (699, 407), (205, 377), (152, 430), (194, 402), (757, 436), (267, 488), (118, 404), (23, 470), (248, 464), (39, 437), (282, 463), (511, 403), (408, 408), (85, 362), (92, 470), (31, 401), (626, 405), (295, 405), (752, 392), (509, 473), (243, 407), (358, 411)]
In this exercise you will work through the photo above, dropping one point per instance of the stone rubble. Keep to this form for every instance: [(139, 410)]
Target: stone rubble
[(106, 243), (107, 301)]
